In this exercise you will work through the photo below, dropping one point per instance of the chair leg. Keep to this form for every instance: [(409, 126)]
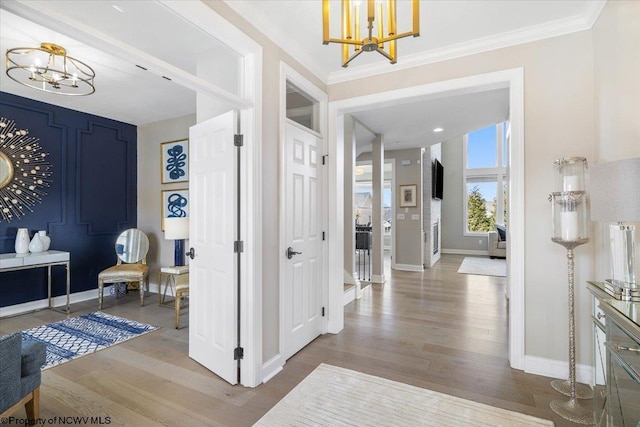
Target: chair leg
[(176, 300), (100, 293), (32, 407)]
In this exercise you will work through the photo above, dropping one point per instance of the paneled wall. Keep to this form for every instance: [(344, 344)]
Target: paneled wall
[(92, 198)]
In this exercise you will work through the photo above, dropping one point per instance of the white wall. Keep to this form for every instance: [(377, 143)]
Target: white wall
[(617, 95), (150, 136)]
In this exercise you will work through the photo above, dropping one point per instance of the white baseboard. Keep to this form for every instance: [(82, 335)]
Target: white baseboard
[(409, 267), (556, 369), (61, 300), (375, 278), (272, 368), (349, 295), (465, 252)]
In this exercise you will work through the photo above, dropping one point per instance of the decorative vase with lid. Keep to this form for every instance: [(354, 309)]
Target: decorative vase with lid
[(36, 244), (22, 241)]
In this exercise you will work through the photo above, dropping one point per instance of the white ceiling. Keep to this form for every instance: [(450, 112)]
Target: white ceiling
[(448, 28)]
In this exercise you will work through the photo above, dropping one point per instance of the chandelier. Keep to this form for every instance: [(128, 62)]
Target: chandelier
[(48, 68), (375, 37)]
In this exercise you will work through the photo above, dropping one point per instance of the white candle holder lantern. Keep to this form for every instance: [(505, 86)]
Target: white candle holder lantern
[(569, 213)]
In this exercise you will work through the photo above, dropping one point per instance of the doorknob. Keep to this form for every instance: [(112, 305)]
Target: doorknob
[(191, 254), (291, 252)]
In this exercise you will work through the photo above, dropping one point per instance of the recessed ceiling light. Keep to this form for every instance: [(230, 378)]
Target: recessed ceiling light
[(118, 8), (438, 130)]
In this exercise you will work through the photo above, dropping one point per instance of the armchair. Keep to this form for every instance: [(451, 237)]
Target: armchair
[(20, 375), (498, 242)]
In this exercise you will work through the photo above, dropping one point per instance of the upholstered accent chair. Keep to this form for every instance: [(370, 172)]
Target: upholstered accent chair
[(131, 266), (20, 363), (498, 242)]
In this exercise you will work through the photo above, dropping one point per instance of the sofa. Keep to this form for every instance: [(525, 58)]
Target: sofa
[(20, 365), (498, 242)]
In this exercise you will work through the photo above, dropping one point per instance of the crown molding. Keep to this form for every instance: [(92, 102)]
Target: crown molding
[(499, 41), (279, 38), (512, 38)]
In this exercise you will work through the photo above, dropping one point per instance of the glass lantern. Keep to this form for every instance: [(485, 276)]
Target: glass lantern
[(571, 174), (569, 211), (569, 202)]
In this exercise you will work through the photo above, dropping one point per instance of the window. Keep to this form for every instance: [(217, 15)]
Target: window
[(485, 178), (302, 108)]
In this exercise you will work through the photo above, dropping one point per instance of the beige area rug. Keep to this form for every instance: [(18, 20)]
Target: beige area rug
[(484, 266), (332, 396)]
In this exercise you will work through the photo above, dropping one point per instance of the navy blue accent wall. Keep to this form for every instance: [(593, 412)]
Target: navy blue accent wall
[(93, 196)]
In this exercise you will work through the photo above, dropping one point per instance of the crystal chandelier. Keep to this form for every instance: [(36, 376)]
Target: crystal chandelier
[(375, 36), (48, 68)]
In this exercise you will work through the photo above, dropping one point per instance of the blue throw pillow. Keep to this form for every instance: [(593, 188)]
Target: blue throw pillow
[(502, 232)]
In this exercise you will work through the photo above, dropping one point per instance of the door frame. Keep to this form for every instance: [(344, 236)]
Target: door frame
[(250, 108), (274, 365), (513, 79)]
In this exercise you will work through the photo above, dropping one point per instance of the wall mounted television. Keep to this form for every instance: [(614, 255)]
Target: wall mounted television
[(437, 178)]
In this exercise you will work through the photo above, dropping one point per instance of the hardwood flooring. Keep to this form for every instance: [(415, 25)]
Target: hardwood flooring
[(437, 329)]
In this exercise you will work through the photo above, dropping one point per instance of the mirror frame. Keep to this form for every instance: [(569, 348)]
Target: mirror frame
[(9, 163)]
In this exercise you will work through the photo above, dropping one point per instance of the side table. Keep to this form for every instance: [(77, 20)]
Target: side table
[(179, 290)]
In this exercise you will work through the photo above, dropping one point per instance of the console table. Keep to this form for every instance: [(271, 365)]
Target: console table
[(617, 359), (48, 259)]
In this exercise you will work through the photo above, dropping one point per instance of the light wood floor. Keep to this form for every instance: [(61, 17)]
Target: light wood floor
[(438, 330)]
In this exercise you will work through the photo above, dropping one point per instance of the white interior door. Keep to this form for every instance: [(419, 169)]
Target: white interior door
[(302, 296), (213, 308)]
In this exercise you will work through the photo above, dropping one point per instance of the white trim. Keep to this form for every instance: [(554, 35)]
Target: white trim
[(378, 279), (58, 302), (349, 295), (512, 78), (408, 267), (557, 369), (271, 368), (465, 252), (289, 74)]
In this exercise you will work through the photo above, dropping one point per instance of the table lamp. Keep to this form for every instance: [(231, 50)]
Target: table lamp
[(615, 197), (177, 229)]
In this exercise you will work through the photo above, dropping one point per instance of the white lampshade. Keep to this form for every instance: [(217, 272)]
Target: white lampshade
[(615, 191), (176, 228)]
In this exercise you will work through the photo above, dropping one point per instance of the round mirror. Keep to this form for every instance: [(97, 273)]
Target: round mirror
[(6, 170), (132, 245)]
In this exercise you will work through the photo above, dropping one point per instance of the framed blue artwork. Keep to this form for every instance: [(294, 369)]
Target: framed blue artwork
[(175, 203), (174, 160)]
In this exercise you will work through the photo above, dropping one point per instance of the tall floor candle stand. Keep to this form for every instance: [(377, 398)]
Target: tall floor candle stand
[(572, 409), (569, 212)]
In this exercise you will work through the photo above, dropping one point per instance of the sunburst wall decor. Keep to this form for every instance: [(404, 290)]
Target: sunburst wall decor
[(24, 171)]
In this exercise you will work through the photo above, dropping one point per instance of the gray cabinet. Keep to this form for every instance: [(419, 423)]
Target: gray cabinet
[(616, 375)]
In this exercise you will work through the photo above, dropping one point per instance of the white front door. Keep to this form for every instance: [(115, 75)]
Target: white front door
[(213, 303), (302, 291)]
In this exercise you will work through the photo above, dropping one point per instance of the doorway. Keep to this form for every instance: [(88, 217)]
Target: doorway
[(514, 81)]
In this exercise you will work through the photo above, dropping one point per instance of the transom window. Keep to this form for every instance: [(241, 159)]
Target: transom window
[(485, 178)]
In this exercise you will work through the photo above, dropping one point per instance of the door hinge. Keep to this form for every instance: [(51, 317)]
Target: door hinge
[(238, 353), (324, 158), (238, 246), (238, 140), (322, 311), (323, 236)]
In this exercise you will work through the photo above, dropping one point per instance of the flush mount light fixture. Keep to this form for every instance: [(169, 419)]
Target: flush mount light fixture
[(438, 130), (49, 69), (375, 35)]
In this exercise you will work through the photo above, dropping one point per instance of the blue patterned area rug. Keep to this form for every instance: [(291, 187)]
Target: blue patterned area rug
[(78, 336)]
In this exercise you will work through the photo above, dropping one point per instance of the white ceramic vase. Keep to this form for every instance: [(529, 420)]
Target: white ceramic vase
[(46, 240), (22, 241), (36, 244)]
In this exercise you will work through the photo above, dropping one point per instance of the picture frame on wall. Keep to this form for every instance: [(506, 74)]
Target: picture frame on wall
[(408, 196), (174, 161), (175, 204)]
